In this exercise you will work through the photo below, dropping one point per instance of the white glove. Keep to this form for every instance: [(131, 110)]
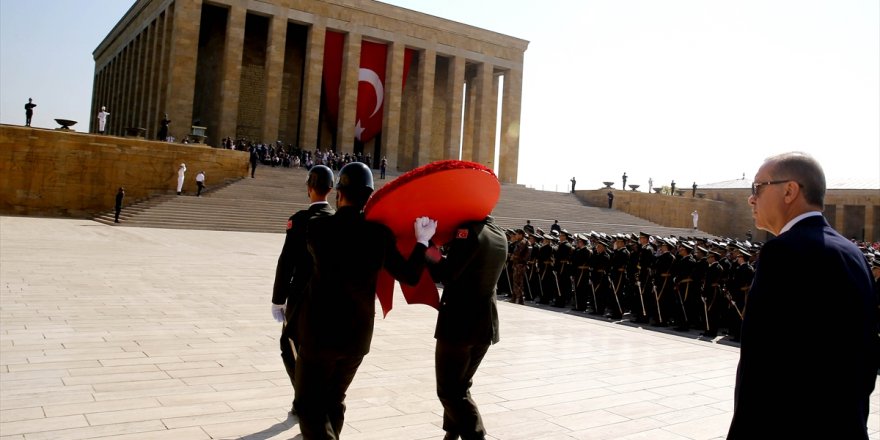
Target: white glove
[(425, 229), (278, 312)]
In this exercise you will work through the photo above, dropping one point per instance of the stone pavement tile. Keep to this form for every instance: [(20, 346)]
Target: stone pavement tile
[(154, 360), (172, 390), (43, 424), (18, 414), (250, 385), (617, 430), (588, 419), (161, 412), (393, 421), (217, 396), (271, 399), (553, 376), (193, 433), (98, 407), (267, 428), (707, 425), (654, 434), (527, 430), (222, 418), (29, 400), (409, 432), (556, 404), (134, 385), (90, 432), (607, 401), (121, 369), (638, 410), (12, 437), (126, 378)]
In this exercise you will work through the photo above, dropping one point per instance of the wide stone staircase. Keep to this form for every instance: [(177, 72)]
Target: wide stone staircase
[(264, 203)]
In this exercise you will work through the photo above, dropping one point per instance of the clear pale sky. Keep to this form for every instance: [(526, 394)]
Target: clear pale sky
[(691, 90)]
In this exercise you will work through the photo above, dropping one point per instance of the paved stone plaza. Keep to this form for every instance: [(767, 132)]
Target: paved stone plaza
[(137, 333)]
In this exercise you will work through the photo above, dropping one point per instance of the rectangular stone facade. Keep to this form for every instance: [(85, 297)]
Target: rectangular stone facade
[(252, 69)]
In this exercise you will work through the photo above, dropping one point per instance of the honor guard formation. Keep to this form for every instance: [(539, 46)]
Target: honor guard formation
[(687, 283)]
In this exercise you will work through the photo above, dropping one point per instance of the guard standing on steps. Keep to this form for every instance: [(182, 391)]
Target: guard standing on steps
[(295, 265)]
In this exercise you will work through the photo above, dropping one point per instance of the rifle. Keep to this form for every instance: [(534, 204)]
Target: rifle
[(706, 311), (641, 298), (681, 301), (657, 296), (733, 303), (615, 289)]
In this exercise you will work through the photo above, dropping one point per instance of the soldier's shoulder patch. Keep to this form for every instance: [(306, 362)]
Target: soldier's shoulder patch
[(289, 224), (462, 233)]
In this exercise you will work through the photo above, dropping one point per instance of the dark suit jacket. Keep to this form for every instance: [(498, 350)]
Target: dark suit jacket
[(809, 353), (339, 305), (295, 263), (469, 273)]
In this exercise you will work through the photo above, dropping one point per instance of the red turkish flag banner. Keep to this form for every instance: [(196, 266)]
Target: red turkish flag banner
[(371, 83)]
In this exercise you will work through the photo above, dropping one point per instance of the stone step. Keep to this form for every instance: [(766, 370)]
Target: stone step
[(263, 204)]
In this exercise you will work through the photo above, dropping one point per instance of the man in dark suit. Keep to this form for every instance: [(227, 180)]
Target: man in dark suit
[(805, 267), (295, 264), (468, 320), (335, 319)]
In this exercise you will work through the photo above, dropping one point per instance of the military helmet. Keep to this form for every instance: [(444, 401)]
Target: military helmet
[(355, 175), (320, 178)]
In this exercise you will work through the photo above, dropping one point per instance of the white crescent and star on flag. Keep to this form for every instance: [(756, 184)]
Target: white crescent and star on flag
[(371, 78)]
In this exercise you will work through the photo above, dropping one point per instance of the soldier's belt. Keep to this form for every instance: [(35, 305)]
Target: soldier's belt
[(686, 280), (621, 270), (584, 267), (745, 288), (715, 284), (664, 275), (599, 271), (564, 261)]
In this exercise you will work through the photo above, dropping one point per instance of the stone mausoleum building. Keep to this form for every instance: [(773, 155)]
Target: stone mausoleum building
[(351, 75)]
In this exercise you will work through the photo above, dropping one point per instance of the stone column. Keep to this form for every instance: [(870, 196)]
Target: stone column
[(124, 111), (870, 233), (230, 84), (351, 61), (483, 121), (184, 45), (153, 76), (511, 103), (453, 110), (310, 121), (391, 147), (275, 45), (167, 18), (425, 107), (136, 101)]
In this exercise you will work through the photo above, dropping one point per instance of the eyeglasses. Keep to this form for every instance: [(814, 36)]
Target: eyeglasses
[(756, 185)]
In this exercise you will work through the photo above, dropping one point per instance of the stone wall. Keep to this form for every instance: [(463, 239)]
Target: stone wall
[(57, 173), (716, 217), (855, 213)]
